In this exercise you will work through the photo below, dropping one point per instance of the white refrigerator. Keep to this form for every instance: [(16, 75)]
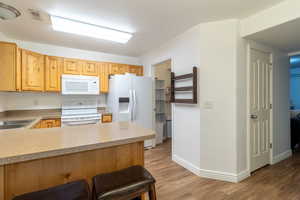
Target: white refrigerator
[(130, 98)]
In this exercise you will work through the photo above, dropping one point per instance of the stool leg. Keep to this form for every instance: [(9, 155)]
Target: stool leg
[(152, 192)]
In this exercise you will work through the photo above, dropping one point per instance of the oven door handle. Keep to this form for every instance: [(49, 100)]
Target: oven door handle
[(80, 123), (87, 119)]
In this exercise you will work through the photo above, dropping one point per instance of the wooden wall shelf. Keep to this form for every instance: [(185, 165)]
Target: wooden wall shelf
[(192, 88)]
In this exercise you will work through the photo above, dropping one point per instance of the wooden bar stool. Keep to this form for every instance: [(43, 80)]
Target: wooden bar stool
[(127, 184), (78, 190)]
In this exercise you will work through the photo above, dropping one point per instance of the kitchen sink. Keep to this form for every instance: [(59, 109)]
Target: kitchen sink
[(14, 124)]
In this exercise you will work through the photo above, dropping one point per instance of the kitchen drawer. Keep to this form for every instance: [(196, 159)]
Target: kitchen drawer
[(106, 118), (48, 123)]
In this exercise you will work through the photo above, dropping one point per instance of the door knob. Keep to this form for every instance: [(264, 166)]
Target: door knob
[(253, 116)]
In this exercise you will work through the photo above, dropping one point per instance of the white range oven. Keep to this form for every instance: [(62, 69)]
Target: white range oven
[(79, 110), (79, 100)]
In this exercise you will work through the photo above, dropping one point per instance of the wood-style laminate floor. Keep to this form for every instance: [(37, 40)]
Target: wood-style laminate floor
[(277, 182)]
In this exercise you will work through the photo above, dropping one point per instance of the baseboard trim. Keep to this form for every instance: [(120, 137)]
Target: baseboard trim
[(280, 157), (243, 175), (225, 176), (217, 175), (187, 165)]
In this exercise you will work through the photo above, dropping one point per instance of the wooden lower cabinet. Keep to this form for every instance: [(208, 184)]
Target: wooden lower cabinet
[(30, 176), (2, 181), (106, 118), (37, 125), (48, 123)]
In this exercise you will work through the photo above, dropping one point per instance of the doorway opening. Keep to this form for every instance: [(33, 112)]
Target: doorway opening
[(295, 102), (162, 104)]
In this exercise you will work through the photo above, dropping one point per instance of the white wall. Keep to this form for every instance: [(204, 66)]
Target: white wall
[(13, 101), (283, 12), (241, 56), (281, 105), (215, 143), (218, 78), (184, 53), (205, 140), (2, 103)]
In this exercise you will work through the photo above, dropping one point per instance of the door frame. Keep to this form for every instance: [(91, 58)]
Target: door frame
[(172, 105), (262, 48)]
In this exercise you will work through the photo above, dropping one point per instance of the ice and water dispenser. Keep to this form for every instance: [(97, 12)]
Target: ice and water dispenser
[(124, 109)]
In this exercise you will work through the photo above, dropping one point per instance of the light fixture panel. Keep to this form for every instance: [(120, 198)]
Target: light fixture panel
[(80, 28), (8, 12)]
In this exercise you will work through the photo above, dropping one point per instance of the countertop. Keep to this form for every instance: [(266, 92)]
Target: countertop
[(21, 145), (35, 115)]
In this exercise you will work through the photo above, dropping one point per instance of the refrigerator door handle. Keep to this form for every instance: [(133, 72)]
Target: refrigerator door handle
[(134, 104), (130, 105)]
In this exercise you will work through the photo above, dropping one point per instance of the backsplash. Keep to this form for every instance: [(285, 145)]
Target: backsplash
[(34, 101), (2, 103)]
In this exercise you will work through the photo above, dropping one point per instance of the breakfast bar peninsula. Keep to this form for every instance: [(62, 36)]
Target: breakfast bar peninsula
[(36, 159)]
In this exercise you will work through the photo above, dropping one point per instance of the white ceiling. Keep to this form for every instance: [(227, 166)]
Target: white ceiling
[(152, 21), (284, 36)]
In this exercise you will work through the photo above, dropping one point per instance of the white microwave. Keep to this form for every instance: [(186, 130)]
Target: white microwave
[(80, 85)]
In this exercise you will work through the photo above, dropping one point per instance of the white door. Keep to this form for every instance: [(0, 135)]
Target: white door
[(260, 69)]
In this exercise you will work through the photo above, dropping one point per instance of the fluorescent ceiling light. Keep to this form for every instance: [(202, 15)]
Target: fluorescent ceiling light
[(90, 30)]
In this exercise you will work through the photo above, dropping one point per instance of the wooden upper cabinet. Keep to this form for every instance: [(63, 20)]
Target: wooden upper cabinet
[(23, 70), (72, 66), (53, 70), (123, 68), (133, 69), (104, 69), (114, 68), (8, 56), (138, 70), (19, 70), (90, 68), (32, 71)]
